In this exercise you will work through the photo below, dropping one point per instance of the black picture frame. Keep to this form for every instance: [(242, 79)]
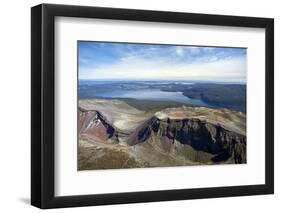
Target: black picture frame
[(43, 102)]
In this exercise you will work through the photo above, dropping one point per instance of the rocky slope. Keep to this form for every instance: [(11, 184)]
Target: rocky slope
[(171, 137), (93, 126), (200, 135)]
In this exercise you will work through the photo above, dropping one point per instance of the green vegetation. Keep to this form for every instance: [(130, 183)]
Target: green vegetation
[(232, 96)]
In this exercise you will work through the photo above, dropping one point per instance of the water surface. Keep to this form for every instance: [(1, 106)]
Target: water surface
[(136, 90)]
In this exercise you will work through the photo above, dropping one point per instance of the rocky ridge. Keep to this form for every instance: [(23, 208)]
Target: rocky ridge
[(168, 134)]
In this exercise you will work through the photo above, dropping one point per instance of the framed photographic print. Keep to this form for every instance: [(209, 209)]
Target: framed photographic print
[(139, 106)]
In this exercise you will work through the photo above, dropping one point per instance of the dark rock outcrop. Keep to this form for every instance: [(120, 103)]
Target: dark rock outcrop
[(224, 145), (94, 126), (200, 135)]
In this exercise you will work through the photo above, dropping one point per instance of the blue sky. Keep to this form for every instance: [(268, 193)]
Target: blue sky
[(124, 61)]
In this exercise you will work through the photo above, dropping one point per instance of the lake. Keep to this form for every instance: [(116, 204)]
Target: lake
[(152, 94), (135, 90)]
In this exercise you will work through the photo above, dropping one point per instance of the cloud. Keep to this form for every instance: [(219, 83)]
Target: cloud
[(179, 51), (164, 62), (132, 68)]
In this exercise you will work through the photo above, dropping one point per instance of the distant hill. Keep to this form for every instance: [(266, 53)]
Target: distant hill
[(216, 95), (232, 96)]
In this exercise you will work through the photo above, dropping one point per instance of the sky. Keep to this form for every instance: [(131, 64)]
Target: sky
[(132, 61)]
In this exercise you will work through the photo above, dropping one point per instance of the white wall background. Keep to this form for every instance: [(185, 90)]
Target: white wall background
[(15, 105)]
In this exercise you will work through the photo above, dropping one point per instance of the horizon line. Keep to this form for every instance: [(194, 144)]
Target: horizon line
[(228, 81)]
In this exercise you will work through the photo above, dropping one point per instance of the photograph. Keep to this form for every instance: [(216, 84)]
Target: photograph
[(160, 105), (148, 104)]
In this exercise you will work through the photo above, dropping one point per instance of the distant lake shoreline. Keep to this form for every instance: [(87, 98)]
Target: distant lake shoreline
[(136, 91), (190, 93), (152, 94)]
